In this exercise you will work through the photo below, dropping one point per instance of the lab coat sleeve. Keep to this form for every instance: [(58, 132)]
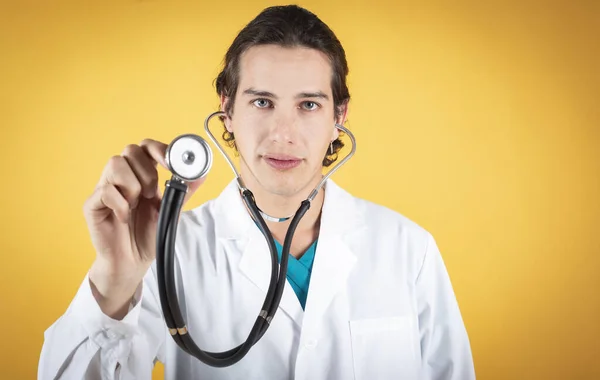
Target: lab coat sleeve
[(445, 348), (84, 343)]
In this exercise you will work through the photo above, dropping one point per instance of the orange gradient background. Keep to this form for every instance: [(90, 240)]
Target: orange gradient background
[(480, 121)]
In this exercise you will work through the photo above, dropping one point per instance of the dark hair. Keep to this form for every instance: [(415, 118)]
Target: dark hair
[(287, 26)]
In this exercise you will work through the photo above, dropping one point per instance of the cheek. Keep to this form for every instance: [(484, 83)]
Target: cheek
[(317, 136), (247, 137)]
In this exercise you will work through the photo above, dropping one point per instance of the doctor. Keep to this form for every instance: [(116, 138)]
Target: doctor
[(367, 297)]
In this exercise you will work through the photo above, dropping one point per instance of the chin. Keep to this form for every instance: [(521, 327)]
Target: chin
[(281, 187), (285, 184)]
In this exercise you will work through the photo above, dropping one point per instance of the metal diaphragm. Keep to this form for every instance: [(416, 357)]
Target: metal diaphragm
[(189, 157)]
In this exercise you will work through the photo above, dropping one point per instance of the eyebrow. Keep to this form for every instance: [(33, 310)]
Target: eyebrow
[(302, 95)]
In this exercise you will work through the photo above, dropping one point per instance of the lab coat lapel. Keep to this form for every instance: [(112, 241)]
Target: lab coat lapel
[(334, 258), (332, 266), (233, 222), (256, 266)]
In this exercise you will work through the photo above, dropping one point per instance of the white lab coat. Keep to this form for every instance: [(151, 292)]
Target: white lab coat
[(380, 305)]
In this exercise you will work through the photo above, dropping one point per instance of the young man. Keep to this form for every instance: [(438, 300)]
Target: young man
[(380, 304)]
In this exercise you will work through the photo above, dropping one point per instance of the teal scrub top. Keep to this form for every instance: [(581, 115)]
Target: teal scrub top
[(298, 271)]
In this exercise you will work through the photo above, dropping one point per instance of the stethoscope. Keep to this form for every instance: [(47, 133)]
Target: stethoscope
[(189, 158)]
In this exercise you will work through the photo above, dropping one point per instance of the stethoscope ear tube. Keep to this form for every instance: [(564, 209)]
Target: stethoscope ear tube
[(287, 244), (165, 259)]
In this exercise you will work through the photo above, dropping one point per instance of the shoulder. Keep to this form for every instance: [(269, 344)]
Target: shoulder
[(223, 216), (385, 222), (387, 239), (386, 216), (386, 236), (394, 228), (201, 217), (206, 214)]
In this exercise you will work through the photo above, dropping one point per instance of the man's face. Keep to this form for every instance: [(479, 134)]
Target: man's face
[(283, 117)]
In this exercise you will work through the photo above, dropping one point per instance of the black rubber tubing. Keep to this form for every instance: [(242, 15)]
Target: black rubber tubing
[(166, 234)]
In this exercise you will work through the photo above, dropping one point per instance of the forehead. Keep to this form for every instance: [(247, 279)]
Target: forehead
[(285, 70)]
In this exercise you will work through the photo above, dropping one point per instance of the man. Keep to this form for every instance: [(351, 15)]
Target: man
[(367, 297)]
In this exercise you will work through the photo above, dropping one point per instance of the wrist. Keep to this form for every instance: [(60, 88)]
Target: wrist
[(113, 292)]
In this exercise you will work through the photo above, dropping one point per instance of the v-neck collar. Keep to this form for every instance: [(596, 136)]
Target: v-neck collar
[(307, 257)]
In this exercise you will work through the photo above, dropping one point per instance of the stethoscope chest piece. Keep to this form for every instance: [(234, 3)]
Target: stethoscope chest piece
[(189, 157)]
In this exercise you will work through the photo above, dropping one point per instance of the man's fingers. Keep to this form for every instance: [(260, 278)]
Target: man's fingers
[(105, 199), (144, 168), (155, 150), (118, 173)]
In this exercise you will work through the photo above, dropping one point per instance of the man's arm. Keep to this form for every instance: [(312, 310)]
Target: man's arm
[(84, 343), (445, 348)]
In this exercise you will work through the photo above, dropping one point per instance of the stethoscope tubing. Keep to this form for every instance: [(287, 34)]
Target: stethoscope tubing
[(169, 213), (165, 255)]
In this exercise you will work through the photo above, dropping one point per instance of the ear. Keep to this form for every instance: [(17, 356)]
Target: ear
[(340, 119), (226, 119), (341, 113), (335, 134)]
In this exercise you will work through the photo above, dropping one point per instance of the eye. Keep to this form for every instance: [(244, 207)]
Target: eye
[(310, 106), (262, 103)]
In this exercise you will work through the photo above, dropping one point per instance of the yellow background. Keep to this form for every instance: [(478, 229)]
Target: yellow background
[(479, 121)]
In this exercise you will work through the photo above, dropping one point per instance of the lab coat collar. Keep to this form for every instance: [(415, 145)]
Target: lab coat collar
[(339, 213), (333, 262)]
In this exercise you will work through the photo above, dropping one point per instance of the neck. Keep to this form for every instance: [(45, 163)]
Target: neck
[(281, 206)]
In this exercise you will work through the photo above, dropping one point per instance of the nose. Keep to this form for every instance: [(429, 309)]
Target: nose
[(284, 128)]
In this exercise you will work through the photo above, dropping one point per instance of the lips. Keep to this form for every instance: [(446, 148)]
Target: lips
[(282, 162)]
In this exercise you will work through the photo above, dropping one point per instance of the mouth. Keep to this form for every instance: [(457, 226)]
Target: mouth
[(282, 162)]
